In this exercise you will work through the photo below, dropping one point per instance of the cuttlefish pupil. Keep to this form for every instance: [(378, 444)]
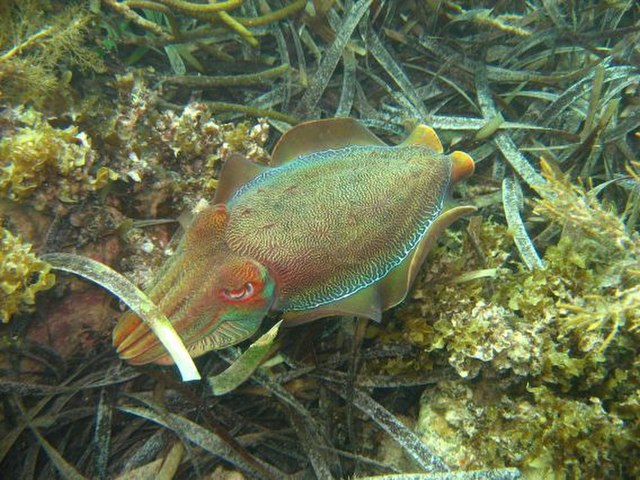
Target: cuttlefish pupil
[(339, 225)]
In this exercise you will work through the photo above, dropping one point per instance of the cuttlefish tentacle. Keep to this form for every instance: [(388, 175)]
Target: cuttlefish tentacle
[(339, 225), (205, 281)]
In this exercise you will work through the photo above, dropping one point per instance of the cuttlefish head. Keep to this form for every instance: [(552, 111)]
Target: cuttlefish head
[(213, 297)]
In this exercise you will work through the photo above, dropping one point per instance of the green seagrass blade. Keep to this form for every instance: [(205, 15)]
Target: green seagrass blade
[(244, 366)]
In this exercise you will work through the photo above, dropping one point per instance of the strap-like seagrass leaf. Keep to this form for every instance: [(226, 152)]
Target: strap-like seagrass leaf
[(135, 299), (331, 57), (412, 445), (493, 474), (241, 369), (511, 197)]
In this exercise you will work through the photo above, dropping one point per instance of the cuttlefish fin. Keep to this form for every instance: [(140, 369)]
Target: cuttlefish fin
[(463, 166), (423, 135), (371, 301), (394, 287), (330, 133), (365, 304), (236, 171)]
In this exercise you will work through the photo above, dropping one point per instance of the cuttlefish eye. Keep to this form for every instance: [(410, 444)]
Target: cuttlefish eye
[(244, 293)]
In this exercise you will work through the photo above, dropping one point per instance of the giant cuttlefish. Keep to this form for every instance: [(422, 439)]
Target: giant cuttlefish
[(339, 224)]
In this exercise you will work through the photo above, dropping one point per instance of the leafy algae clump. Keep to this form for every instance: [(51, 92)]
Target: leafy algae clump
[(47, 162), (543, 362), (22, 275)]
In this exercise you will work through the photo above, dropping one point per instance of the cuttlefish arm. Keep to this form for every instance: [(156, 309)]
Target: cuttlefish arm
[(213, 297), (235, 264)]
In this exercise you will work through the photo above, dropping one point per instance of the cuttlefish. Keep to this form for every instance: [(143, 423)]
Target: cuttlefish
[(339, 224)]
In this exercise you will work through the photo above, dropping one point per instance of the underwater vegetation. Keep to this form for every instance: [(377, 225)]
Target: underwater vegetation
[(216, 14), (22, 276), (552, 332), (40, 44), (516, 354), (42, 163)]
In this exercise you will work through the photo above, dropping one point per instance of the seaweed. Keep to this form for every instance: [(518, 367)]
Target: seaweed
[(23, 275), (217, 14), (40, 162), (39, 45)]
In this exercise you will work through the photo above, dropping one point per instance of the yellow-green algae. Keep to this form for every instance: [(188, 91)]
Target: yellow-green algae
[(39, 41), (42, 161), (548, 436), (544, 363), (22, 275)]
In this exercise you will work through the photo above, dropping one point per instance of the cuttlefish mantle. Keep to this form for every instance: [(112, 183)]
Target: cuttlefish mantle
[(339, 224)]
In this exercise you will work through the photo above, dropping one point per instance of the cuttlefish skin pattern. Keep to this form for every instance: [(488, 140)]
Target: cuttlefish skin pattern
[(331, 223), (338, 226)]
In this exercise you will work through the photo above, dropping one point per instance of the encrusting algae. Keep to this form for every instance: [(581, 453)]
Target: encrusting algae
[(545, 435)]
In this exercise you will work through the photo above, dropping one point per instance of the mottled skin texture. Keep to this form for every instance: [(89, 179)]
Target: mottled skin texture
[(331, 223), (340, 225)]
